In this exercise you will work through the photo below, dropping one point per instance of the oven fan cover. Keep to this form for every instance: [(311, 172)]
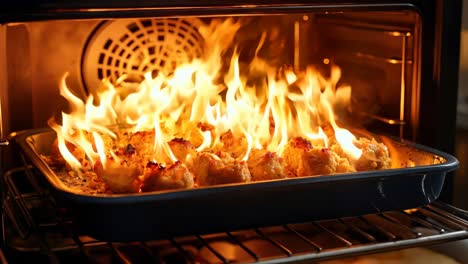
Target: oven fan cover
[(136, 46)]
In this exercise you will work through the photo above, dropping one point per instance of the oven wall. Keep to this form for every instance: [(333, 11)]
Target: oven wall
[(38, 54), (3, 83), (377, 53)]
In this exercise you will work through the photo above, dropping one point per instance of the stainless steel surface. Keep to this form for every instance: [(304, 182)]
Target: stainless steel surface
[(56, 239)]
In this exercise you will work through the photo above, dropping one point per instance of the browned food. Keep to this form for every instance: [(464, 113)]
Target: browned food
[(302, 159), (143, 143), (93, 183), (87, 181), (375, 155), (132, 165), (235, 146), (193, 132), (121, 175), (182, 149), (157, 177), (264, 165), (210, 169)]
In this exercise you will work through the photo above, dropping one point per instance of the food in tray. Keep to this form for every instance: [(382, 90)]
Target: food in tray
[(128, 168), (157, 177), (302, 159), (217, 119)]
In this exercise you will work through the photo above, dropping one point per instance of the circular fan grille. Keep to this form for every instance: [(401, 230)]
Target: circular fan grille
[(137, 46)]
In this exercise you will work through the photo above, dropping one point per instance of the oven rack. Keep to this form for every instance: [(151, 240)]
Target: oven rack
[(33, 226), (406, 60)]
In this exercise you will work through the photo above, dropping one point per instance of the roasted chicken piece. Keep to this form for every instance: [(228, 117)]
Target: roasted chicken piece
[(193, 132), (302, 159), (157, 177), (121, 175), (143, 143), (128, 150), (182, 149), (234, 145), (264, 165), (210, 169), (375, 155)]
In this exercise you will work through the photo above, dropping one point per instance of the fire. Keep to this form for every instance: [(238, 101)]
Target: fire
[(263, 105)]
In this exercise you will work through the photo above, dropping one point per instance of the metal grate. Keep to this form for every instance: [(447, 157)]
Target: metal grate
[(137, 46), (35, 226)]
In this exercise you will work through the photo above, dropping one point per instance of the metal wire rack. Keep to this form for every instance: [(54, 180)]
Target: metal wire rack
[(35, 226)]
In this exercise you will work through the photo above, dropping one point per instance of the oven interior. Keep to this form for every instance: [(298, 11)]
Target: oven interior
[(378, 52)]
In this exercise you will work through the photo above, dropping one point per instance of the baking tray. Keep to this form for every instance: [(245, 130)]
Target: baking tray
[(163, 214)]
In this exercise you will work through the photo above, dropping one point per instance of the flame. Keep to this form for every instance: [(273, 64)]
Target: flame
[(279, 105)]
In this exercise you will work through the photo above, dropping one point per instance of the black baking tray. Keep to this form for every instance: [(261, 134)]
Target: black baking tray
[(154, 215)]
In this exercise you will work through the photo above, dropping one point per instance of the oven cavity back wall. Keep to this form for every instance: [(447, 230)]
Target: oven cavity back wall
[(378, 53)]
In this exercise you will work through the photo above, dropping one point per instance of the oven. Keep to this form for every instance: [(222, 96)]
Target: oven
[(400, 59)]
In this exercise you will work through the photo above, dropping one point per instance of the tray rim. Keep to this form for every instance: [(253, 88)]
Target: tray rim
[(21, 137)]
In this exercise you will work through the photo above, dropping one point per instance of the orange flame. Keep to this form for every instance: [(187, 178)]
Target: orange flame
[(265, 114)]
